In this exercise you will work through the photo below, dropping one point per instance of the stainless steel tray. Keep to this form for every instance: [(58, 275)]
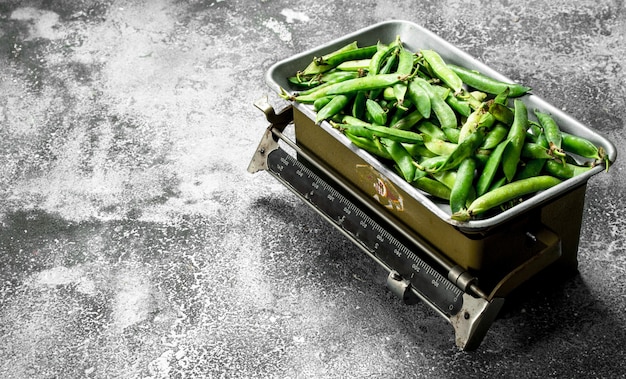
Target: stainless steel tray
[(416, 37)]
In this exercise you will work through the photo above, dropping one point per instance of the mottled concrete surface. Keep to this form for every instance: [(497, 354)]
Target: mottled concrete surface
[(134, 244)]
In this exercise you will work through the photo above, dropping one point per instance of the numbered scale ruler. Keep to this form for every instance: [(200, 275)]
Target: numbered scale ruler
[(366, 232), (411, 275)]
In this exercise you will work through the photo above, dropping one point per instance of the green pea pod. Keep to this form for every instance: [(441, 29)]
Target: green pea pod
[(439, 146), (351, 120), (368, 145), (564, 170), (356, 65), (442, 91), (358, 105), (326, 64), (445, 115), (550, 128), (401, 157), (462, 185), (408, 121), (502, 113), (418, 150), (503, 97), (481, 157), (432, 187), (441, 70), (533, 150), (375, 112), (321, 102), (432, 164), (405, 66), (334, 106), (516, 137), (448, 178), (584, 148), (473, 99), (334, 79), (487, 84), (463, 150), (491, 167), (314, 68), (505, 193), (356, 130), (388, 94), (531, 167), (543, 141), (419, 97), (452, 134), (498, 183), (398, 135), (461, 107), (427, 127), (400, 111), (381, 55), (534, 130), (471, 124), (494, 136), (364, 83), (312, 81), (386, 69)]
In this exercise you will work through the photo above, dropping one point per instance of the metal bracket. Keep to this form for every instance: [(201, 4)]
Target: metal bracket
[(401, 288), (278, 121)]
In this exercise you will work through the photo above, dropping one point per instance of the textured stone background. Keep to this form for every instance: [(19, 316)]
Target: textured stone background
[(133, 243)]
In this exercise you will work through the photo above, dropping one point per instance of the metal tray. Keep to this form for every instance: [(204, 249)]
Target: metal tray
[(416, 37)]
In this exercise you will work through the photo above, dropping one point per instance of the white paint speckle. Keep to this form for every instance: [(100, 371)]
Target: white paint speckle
[(291, 16), (43, 24), (60, 276), (279, 28)]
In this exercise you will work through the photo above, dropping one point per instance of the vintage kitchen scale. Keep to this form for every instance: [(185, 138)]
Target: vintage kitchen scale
[(462, 270)]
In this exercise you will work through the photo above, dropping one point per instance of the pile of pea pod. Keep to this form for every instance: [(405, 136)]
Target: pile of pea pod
[(456, 134)]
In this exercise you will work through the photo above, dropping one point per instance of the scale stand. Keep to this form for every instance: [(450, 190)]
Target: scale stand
[(415, 271)]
